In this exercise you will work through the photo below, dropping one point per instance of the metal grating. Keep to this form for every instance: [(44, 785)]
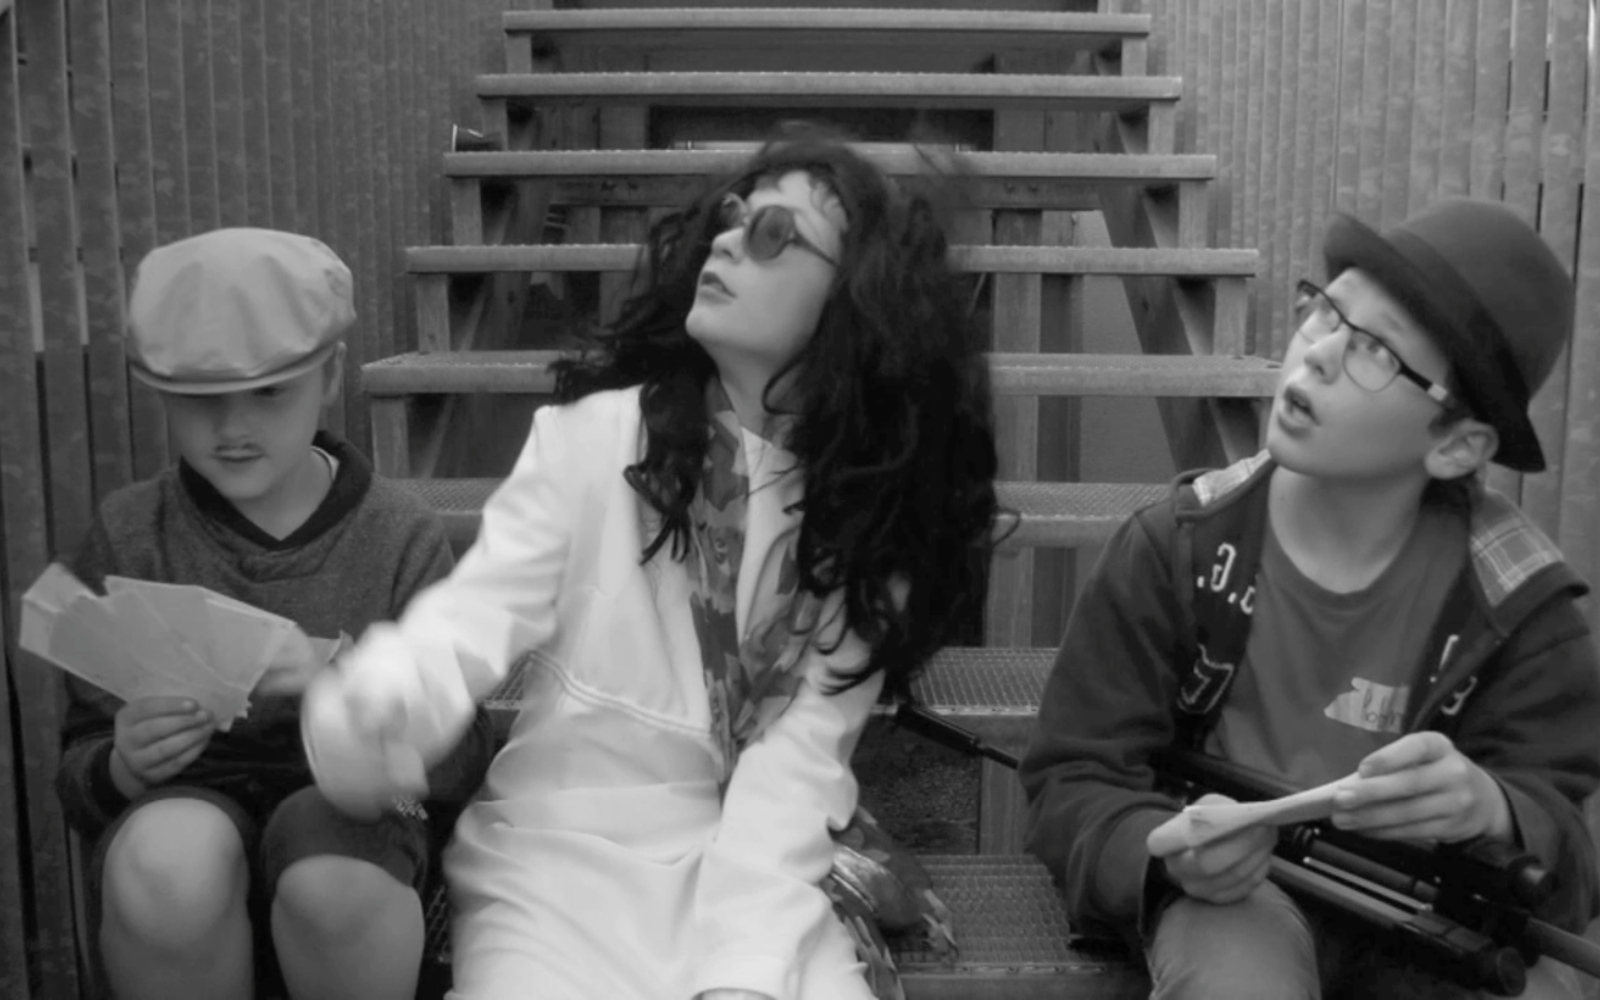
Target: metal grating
[(1008, 916)]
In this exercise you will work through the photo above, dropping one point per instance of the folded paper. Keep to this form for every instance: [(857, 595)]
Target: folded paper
[(146, 639)]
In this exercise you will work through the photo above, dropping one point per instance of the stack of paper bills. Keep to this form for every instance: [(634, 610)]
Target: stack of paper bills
[(145, 639)]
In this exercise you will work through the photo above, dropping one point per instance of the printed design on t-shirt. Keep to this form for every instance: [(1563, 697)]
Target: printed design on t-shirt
[(1377, 708)]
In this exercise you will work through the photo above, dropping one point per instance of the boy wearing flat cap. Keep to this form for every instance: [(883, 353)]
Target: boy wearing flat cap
[(218, 864), (1352, 600)]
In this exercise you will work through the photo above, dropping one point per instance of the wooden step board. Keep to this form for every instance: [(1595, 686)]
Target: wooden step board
[(1185, 263), (945, 91), (992, 692), (644, 178), (1010, 926), (974, 31), (1052, 515), (528, 372)]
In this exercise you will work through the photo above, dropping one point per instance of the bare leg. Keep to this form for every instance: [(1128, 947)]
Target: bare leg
[(346, 929), (173, 896)]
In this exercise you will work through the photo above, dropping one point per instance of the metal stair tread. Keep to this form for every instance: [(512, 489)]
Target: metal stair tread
[(1010, 926), (1051, 514), (1016, 91), (623, 164), (1194, 263), (992, 691), (656, 29), (1012, 374)]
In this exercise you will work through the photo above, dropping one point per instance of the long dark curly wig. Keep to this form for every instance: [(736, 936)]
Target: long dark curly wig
[(892, 415)]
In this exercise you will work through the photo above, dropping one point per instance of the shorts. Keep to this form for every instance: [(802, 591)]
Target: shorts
[(302, 825)]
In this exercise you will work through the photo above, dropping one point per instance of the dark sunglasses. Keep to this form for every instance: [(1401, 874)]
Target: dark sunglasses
[(768, 230)]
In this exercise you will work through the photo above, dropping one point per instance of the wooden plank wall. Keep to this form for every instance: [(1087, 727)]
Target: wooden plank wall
[(1379, 107), (125, 124)]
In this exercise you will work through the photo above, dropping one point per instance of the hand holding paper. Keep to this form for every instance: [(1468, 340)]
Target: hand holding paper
[(153, 640), (1200, 824)]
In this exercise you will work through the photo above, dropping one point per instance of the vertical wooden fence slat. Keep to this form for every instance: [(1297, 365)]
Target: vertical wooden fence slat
[(54, 226), (1220, 109), (1183, 55), (13, 937), (1263, 115), (89, 31), (227, 113), (199, 116), (439, 119), (278, 110), (1285, 138), (169, 139), (322, 101), (1373, 88), (1325, 159), (22, 519), (1559, 205), (397, 201), (1235, 116), (390, 195), (304, 111), (1411, 118), (259, 55), (22, 501), (1580, 497), (329, 41), (1308, 122), (1210, 118), (136, 204), (368, 119), (1428, 104), (1529, 29), (362, 128), (1491, 86), (1347, 161), (1455, 133)]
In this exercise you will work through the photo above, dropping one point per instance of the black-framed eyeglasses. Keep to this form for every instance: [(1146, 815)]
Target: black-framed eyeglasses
[(1370, 363), (768, 230)]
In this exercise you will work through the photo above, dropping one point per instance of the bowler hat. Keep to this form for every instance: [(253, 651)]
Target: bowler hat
[(236, 309), (1490, 293)]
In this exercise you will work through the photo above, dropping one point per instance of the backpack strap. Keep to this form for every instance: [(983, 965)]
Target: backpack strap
[(1216, 559)]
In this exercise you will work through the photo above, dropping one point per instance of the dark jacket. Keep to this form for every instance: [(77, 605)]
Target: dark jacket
[(1156, 637), (361, 556)]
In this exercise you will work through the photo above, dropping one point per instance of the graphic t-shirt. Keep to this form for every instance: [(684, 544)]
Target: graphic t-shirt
[(1327, 678)]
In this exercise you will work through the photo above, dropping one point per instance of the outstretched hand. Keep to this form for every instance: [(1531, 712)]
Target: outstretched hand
[(1227, 869), (1421, 788)]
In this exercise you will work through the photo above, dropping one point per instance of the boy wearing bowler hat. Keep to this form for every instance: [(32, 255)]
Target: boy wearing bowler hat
[(1351, 600), (217, 865)]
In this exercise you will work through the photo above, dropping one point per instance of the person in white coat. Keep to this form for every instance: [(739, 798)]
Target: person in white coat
[(765, 502)]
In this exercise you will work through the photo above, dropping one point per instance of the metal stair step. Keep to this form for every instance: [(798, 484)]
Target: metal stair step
[(676, 176), (1196, 263), (945, 91), (991, 691), (513, 372), (975, 30), (1052, 515), (1011, 929)]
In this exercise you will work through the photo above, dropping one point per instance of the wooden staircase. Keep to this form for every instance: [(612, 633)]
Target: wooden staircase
[(609, 115)]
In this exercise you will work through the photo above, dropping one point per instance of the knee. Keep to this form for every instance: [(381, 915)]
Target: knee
[(173, 871), (334, 898), (1259, 947)]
